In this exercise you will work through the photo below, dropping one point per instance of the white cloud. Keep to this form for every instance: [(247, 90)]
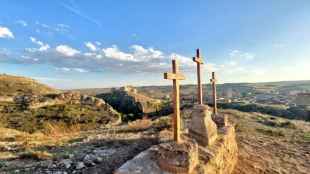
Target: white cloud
[(6, 33), (67, 50), (81, 70), (137, 59), (241, 56), (66, 69), (22, 23), (144, 54), (42, 46), (184, 61), (90, 54), (115, 53), (90, 46)]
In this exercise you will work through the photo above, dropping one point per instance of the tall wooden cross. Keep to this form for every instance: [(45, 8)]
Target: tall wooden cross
[(213, 83), (175, 76), (198, 61)]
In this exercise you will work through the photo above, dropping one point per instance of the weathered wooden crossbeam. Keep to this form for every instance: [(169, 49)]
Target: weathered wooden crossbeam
[(172, 76)]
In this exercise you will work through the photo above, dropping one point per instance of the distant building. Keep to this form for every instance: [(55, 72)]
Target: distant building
[(303, 99)]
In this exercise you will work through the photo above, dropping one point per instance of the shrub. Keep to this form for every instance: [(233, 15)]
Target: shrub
[(307, 136)]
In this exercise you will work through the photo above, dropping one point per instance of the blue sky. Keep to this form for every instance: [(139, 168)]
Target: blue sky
[(83, 44)]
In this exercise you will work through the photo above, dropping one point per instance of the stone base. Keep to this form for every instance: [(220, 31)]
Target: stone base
[(178, 158), (220, 120), (219, 158), (201, 127), (223, 154)]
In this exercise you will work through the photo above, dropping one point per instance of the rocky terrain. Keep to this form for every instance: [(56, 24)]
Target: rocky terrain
[(68, 132), (130, 102), (266, 145)]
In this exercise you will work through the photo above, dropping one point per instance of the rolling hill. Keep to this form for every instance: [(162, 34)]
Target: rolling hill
[(13, 85)]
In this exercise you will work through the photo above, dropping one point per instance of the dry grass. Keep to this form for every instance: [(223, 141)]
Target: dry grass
[(36, 155), (140, 124), (60, 130), (24, 143)]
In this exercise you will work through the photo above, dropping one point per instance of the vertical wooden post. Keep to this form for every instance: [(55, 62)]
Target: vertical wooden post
[(214, 96), (199, 61), (175, 76)]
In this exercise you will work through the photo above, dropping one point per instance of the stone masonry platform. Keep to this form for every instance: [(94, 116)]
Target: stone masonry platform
[(220, 157)]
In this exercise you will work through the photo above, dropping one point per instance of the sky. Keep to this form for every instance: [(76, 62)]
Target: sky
[(106, 43)]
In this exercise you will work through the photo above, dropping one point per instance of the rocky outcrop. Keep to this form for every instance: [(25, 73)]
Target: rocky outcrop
[(32, 101), (128, 101)]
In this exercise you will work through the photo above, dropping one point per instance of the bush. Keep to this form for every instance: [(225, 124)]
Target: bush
[(307, 137)]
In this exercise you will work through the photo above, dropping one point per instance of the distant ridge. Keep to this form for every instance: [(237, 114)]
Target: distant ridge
[(11, 85)]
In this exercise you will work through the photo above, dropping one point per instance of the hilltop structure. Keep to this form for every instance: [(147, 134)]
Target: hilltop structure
[(209, 147)]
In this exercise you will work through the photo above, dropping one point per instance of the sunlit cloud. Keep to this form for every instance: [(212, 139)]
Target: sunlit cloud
[(67, 50), (6, 33)]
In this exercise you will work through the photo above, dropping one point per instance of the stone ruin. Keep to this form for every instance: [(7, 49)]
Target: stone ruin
[(208, 147)]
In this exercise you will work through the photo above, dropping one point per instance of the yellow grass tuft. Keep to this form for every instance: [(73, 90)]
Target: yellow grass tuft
[(36, 155)]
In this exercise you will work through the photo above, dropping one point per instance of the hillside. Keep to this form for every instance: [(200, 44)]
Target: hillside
[(12, 85), (266, 145), (31, 113)]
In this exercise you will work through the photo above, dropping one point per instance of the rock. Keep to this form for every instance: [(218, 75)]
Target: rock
[(66, 162), (89, 160), (202, 128), (80, 165), (104, 152)]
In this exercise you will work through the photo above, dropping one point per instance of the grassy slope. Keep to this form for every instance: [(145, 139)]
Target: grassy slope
[(11, 85), (271, 145), (68, 114)]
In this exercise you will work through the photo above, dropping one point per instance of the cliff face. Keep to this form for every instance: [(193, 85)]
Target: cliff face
[(128, 101)]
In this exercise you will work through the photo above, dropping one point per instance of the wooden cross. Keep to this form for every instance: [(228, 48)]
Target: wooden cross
[(198, 61), (213, 83), (175, 76)]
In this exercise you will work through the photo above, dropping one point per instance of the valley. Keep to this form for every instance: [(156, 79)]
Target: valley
[(69, 132)]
